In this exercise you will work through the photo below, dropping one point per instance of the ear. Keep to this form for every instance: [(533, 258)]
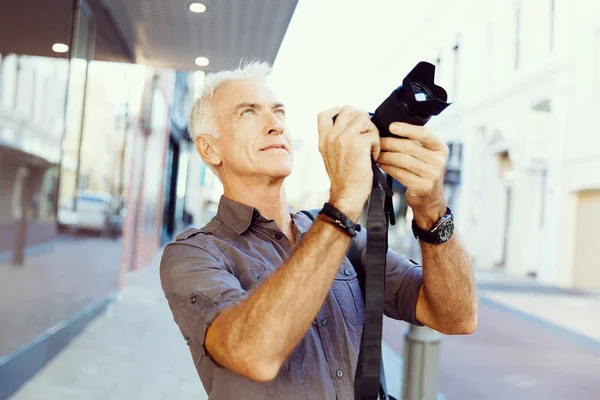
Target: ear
[(207, 147)]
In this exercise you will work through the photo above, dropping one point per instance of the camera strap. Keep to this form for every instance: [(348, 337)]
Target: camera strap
[(369, 381)]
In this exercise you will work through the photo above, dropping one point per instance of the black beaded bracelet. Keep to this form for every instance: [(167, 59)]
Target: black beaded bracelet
[(339, 219)]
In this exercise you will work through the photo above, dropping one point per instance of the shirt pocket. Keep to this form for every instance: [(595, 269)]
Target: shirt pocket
[(253, 277), (346, 290)]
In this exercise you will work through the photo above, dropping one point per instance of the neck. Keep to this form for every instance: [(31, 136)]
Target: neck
[(267, 196)]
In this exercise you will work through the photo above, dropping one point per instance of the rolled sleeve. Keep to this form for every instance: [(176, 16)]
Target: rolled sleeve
[(403, 280), (198, 288)]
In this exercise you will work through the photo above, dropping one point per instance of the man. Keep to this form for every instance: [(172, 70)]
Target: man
[(268, 303)]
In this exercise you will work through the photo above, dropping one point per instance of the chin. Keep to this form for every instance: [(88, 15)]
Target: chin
[(278, 172), (281, 173)]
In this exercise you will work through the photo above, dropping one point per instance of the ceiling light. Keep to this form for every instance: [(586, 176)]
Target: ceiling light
[(197, 7), (202, 61), (60, 48)]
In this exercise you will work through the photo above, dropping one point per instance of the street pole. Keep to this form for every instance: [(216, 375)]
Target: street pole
[(421, 355), (421, 364)]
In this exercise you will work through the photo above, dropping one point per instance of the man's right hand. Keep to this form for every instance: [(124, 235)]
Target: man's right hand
[(347, 140)]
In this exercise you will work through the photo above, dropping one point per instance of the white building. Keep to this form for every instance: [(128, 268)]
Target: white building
[(524, 77)]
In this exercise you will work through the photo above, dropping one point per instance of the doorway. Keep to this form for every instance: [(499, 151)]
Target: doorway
[(586, 274)]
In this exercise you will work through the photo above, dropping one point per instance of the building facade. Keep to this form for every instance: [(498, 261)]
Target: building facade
[(83, 146), (524, 79)]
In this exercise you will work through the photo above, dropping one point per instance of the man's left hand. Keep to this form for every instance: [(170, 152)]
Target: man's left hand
[(417, 160)]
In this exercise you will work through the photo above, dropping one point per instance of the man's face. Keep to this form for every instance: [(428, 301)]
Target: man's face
[(254, 137)]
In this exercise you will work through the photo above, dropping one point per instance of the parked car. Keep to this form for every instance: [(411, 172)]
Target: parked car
[(94, 213)]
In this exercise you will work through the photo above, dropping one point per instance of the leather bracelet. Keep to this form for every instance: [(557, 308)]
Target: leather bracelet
[(337, 218)]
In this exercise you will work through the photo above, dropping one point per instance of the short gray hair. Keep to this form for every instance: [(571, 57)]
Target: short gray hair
[(202, 119)]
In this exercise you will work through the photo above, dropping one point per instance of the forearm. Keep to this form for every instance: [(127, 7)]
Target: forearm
[(449, 286), (256, 336)]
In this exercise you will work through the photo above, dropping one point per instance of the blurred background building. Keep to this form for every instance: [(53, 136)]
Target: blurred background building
[(94, 151), (97, 171), (525, 80)]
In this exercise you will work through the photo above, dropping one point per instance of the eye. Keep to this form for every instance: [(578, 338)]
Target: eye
[(280, 111), (248, 111)]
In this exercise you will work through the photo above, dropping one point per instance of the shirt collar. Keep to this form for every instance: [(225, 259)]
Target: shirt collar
[(239, 216), (236, 215)]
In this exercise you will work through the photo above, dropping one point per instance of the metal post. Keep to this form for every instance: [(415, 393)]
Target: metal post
[(421, 364)]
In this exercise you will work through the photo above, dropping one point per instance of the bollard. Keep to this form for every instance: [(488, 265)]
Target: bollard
[(421, 364)]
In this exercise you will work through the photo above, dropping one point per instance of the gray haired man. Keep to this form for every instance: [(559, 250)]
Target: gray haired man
[(268, 303)]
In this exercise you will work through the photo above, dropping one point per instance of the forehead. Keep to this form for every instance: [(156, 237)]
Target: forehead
[(243, 91)]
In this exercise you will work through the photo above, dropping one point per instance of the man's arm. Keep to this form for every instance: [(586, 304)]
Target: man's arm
[(255, 337), (447, 299), (417, 159)]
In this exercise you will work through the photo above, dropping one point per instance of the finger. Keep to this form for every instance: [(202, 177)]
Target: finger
[(415, 132), (347, 115), (325, 118), (360, 124), (325, 122), (408, 146), (367, 132), (409, 163), (371, 136), (354, 128), (406, 178)]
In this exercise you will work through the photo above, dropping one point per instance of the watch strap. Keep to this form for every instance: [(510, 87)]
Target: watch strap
[(431, 236)]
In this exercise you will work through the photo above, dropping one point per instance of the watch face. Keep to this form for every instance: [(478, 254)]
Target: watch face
[(446, 230)]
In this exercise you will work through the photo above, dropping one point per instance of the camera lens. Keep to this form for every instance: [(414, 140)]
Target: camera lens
[(413, 102), (420, 96), (421, 92)]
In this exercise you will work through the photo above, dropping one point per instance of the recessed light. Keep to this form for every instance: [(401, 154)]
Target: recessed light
[(60, 48), (197, 7), (202, 61)]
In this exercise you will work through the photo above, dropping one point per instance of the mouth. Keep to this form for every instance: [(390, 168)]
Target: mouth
[(275, 147)]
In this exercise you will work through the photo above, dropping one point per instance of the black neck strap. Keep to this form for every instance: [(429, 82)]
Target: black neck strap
[(367, 382)]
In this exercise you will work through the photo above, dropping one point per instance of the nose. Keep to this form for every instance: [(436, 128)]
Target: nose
[(273, 125)]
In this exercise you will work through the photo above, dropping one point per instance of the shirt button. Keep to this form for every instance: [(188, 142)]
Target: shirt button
[(324, 322), (193, 299), (347, 272), (278, 236), (256, 214), (339, 373)]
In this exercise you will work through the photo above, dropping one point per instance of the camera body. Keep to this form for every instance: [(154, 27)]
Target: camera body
[(414, 102)]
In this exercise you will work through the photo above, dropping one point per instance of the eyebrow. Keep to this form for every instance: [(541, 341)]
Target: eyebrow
[(256, 106)]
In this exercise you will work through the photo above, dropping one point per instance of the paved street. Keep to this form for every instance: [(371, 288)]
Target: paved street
[(514, 355)]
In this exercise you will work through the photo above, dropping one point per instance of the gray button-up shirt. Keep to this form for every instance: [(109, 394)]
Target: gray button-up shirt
[(207, 270)]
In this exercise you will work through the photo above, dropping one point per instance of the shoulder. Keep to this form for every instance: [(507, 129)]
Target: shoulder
[(193, 251), (194, 232), (196, 244), (203, 238)]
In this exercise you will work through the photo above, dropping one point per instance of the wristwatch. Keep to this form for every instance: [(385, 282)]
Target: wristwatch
[(441, 231)]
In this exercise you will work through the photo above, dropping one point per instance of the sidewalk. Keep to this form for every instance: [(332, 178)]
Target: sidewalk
[(134, 351), (58, 279), (569, 309)]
